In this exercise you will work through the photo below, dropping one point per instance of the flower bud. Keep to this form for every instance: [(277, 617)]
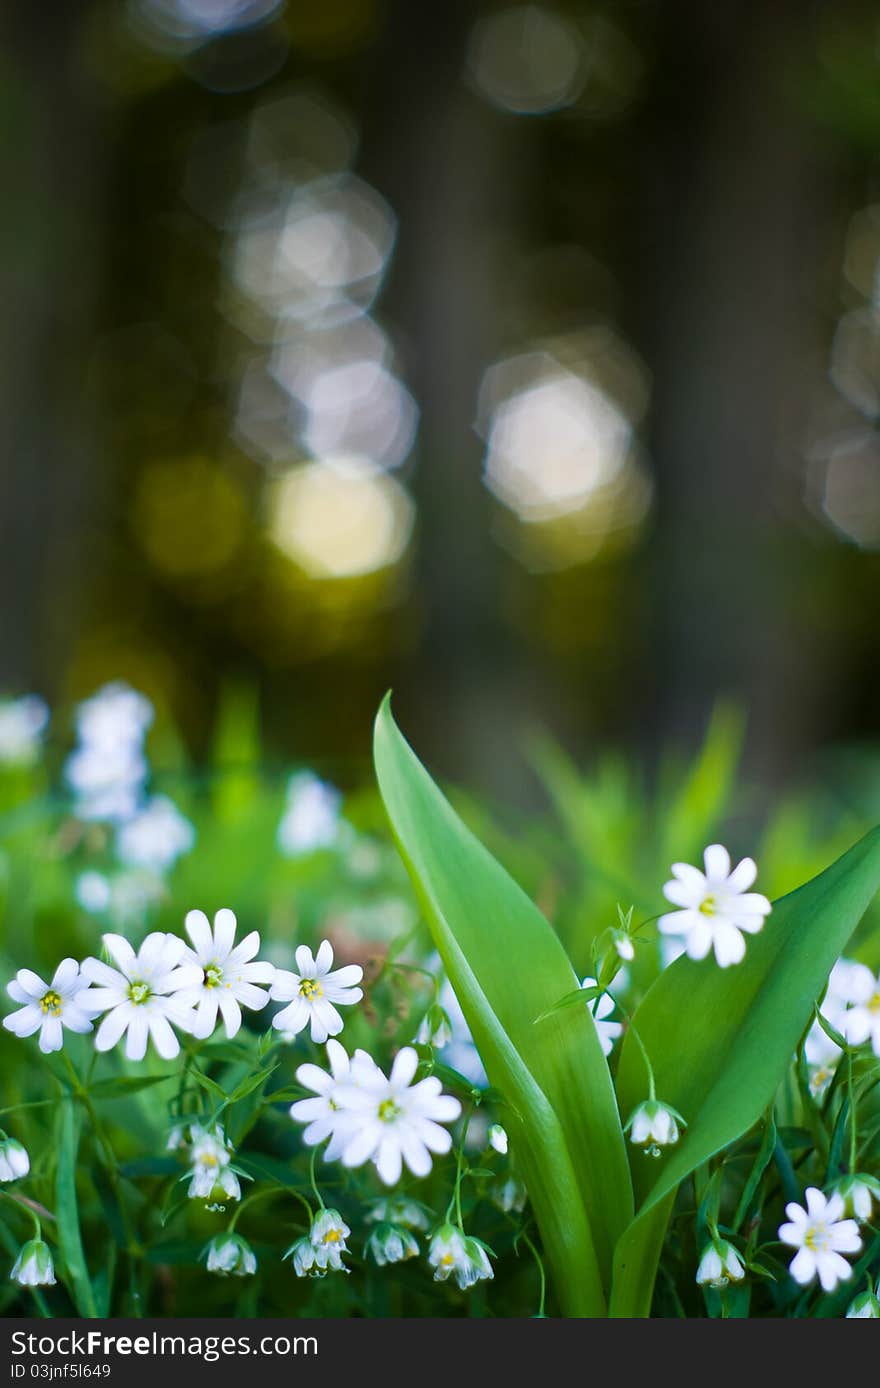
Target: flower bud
[(498, 1139)]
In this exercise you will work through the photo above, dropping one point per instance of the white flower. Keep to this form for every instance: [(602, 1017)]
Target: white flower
[(139, 994), (227, 977), (323, 1114), (49, 1007), (654, 1125), (858, 1193), (328, 1236), (461, 1052), (604, 1006), (116, 715), (720, 1263), (34, 1267), (391, 1243), (106, 781), (155, 837), (624, 946), (22, 722), (821, 1235), (210, 1157), (435, 1028), (509, 1194), (398, 1209), (864, 1307), (313, 991), (398, 1121), (451, 1253), (14, 1160), (93, 892), (303, 1255), (231, 1255), (177, 1139), (498, 1139), (862, 1021), (311, 819), (716, 906)]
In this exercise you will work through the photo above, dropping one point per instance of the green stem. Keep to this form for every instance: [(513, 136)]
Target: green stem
[(313, 1181), (853, 1129), (455, 1201)]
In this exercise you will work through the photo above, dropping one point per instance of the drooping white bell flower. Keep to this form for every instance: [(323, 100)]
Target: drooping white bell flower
[(452, 1254), (231, 1256), (14, 1160), (34, 1267), (315, 993), (719, 1264), (604, 1006), (654, 1125), (716, 907), (390, 1243)]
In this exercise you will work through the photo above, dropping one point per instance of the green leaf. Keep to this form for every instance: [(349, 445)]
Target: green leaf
[(67, 1212), (125, 1084), (250, 1083), (720, 1040), (507, 966)]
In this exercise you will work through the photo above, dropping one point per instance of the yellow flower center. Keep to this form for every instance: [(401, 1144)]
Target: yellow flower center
[(332, 1236), (50, 1004), (209, 1159), (310, 989), (708, 907), (874, 1003), (213, 976), (139, 992), (447, 1260), (388, 1111)]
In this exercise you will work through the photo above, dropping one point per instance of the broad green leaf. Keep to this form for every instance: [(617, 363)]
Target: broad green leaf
[(720, 1040), (507, 967), (67, 1211)]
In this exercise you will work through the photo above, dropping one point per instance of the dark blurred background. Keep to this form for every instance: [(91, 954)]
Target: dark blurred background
[(525, 358)]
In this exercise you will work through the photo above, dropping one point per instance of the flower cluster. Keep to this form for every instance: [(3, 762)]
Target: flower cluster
[(143, 995)]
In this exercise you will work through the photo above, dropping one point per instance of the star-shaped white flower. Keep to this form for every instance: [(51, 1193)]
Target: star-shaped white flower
[(140, 996), (228, 973), (821, 1235), (862, 1021), (398, 1121), (49, 1007), (315, 992), (716, 906), (323, 1114)]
